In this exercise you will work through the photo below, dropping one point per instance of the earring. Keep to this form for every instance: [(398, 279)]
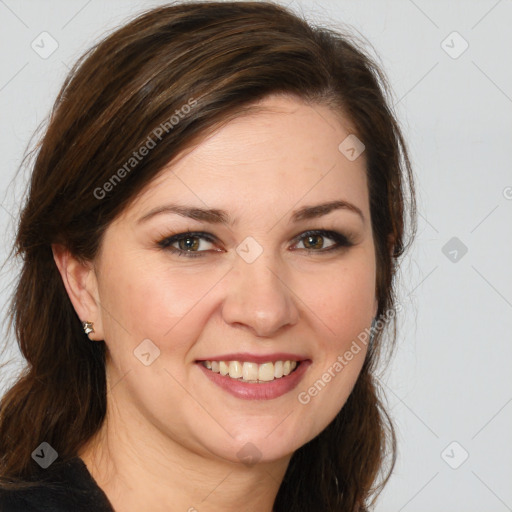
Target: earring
[(88, 327)]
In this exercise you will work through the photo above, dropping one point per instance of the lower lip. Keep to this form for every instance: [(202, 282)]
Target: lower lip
[(254, 391)]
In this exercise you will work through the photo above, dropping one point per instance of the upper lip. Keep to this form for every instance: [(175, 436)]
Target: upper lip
[(256, 358)]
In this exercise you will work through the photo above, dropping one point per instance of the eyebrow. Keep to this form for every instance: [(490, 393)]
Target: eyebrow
[(216, 216)]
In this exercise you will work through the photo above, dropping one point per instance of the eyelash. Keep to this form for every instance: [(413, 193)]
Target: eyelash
[(341, 241)]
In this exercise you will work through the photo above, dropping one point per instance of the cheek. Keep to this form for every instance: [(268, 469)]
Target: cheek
[(343, 314), (342, 299), (156, 301)]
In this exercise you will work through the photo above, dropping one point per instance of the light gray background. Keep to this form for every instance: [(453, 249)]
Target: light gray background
[(450, 379)]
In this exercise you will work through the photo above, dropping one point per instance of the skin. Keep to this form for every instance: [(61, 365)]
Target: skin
[(171, 437)]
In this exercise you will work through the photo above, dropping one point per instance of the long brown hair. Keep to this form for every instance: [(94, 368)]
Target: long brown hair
[(222, 57)]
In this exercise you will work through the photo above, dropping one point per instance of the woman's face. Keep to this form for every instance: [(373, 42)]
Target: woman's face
[(255, 289)]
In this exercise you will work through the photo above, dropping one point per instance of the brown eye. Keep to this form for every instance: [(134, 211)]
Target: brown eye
[(188, 244), (314, 241), (191, 243)]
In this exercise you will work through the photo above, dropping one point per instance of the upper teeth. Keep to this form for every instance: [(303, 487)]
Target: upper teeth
[(252, 372)]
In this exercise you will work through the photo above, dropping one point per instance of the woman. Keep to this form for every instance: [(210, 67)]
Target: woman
[(210, 239)]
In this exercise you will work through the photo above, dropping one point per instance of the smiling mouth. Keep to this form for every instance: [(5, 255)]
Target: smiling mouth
[(250, 372)]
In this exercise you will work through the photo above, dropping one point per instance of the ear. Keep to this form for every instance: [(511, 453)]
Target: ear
[(80, 281)]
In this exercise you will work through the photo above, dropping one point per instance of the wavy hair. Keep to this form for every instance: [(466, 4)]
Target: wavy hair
[(225, 56)]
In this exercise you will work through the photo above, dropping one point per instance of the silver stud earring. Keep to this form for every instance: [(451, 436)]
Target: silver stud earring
[(88, 327)]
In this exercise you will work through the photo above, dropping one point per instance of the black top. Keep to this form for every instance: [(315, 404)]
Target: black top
[(68, 487)]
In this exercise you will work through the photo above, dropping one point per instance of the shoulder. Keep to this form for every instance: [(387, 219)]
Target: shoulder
[(64, 487)]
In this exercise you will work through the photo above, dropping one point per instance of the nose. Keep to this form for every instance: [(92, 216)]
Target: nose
[(259, 297)]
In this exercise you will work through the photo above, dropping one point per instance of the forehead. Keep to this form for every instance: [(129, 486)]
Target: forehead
[(285, 152)]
